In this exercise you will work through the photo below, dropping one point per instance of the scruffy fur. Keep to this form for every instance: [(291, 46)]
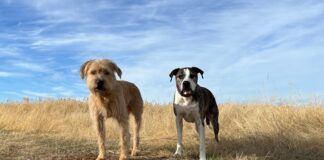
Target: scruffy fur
[(112, 98)]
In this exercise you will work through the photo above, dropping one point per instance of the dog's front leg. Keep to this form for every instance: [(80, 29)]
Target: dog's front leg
[(124, 138), (179, 125), (202, 148), (99, 125)]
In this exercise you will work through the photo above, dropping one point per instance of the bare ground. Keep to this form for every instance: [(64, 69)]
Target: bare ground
[(46, 146)]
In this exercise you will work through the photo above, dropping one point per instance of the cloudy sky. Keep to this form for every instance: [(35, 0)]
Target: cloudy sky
[(249, 49)]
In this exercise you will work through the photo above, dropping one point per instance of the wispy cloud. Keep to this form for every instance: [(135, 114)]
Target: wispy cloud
[(37, 94), (5, 74), (29, 66), (9, 52), (63, 91)]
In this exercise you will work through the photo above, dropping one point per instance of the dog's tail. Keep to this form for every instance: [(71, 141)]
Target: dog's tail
[(212, 122)]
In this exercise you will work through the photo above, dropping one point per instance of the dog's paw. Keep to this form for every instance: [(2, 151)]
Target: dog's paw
[(178, 152), (177, 155), (100, 158), (135, 152), (123, 157)]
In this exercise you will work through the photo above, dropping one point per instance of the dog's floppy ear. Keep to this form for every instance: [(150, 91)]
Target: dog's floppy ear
[(198, 70), (173, 73), (83, 69), (116, 69)]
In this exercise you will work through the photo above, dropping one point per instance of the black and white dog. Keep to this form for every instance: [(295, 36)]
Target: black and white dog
[(194, 104)]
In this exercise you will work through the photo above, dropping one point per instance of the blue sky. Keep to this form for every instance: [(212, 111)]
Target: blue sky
[(249, 49)]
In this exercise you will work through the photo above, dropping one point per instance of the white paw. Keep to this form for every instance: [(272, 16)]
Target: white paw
[(179, 151), (177, 155), (202, 158)]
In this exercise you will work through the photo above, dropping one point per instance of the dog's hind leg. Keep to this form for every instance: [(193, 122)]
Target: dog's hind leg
[(136, 136), (202, 145)]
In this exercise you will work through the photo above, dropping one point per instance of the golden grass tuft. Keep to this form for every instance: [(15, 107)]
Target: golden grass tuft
[(247, 131)]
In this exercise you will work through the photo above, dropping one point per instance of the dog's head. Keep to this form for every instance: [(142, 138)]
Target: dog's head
[(100, 75), (186, 79)]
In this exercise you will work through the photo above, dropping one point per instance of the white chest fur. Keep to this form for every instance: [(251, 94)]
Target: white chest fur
[(186, 108)]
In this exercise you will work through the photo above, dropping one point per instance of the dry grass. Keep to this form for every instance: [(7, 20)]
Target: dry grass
[(61, 129)]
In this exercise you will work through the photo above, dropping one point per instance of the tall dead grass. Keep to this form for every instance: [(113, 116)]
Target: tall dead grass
[(261, 130)]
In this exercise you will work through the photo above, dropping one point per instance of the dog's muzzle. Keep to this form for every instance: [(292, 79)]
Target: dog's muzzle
[(186, 89)]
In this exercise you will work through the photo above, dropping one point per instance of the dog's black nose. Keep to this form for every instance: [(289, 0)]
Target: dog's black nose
[(100, 83), (186, 84)]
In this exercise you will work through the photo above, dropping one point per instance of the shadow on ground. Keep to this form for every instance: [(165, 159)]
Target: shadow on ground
[(262, 146)]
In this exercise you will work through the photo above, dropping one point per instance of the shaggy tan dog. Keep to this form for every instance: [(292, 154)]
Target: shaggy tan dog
[(112, 98)]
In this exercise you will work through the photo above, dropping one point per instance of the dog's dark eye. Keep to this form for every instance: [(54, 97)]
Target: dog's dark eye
[(106, 72), (93, 72), (192, 76), (181, 76)]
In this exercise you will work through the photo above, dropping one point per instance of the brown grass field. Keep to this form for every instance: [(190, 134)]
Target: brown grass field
[(61, 129)]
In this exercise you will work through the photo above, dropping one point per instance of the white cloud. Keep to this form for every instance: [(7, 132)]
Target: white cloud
[(37, 94), (9, 52), (63, 91), (104, 42), (6, 74), (13, 93), (74, 71), (29, 66), (58, 88)]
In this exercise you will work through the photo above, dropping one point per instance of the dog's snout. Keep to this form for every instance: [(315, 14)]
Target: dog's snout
[(100, 83)]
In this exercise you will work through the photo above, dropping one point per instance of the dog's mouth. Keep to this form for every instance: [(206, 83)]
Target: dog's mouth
[(186, 93), (99, 89)]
